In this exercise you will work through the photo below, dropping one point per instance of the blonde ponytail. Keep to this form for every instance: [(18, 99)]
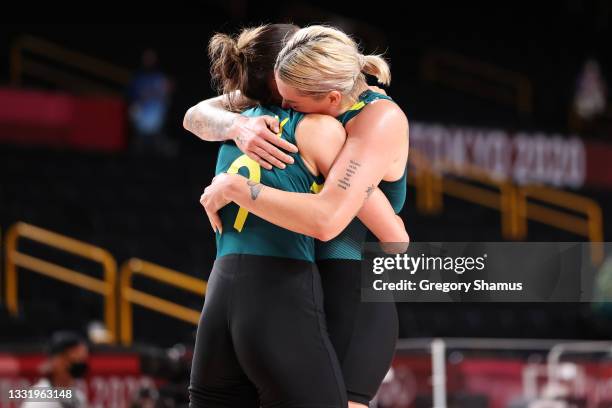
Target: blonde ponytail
[(376, 66)]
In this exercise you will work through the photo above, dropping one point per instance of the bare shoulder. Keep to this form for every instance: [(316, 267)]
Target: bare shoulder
[(381, 117), (319, 139), (380, 112), (313, 120), (317, 126)]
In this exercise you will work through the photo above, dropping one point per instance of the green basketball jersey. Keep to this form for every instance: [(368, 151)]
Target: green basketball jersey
[(348, 244), (245, 233)]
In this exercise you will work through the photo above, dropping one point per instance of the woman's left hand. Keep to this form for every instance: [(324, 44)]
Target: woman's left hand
[(214, 198)]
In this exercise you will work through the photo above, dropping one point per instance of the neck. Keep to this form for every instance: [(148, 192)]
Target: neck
[(347, 102)]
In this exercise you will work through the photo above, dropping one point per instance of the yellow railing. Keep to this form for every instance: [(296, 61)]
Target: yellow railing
[(479, 78), (590, 226), (572, 212), (516, 204), (50, 62), (431, 185), (15, 259), (129, 295)]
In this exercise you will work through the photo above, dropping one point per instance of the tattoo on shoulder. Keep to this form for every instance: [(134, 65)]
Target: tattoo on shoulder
[(345, 182), (255, 189)]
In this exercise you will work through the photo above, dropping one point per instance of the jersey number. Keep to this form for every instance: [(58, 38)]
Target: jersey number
[(254, 175)]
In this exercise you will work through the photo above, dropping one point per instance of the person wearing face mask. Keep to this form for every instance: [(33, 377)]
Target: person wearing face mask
[(67, 362)]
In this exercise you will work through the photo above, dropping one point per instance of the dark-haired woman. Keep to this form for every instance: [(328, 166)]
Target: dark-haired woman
[(330, 80), (262, 338)]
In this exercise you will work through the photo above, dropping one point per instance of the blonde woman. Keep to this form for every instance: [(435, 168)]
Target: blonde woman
[(321, 70), (262, 340)]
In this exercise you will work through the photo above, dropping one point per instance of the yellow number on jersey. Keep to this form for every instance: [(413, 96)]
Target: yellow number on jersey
[(254, 175)]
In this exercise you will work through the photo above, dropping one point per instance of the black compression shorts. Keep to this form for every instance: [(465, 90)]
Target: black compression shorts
[(364, 334), (262, 338)]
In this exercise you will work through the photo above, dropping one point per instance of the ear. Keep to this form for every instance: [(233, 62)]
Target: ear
[(335, 98)]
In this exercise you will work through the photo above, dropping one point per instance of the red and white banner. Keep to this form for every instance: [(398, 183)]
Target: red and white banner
[(491, 382), (40, 118), (552, 159), (112, 381)]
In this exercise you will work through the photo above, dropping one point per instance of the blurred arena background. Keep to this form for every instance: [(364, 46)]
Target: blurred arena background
[(102, 231)]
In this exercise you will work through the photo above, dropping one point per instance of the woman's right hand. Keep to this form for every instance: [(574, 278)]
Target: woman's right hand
[(258, 138), (213, 198)]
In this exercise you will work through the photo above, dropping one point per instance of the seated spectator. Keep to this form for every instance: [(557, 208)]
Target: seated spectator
[(68, 354)]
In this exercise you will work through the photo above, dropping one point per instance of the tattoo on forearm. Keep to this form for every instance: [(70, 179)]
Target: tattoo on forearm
[(194, 125), (220, 124), (255, 189), (214, 126), (370, 190), (345, 182)]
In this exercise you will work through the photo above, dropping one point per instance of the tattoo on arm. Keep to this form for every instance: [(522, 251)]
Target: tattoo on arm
[(220, 124), (195, 125), (255, 189), (215, 125), (239, 139), (370, 190), (345, 182)]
